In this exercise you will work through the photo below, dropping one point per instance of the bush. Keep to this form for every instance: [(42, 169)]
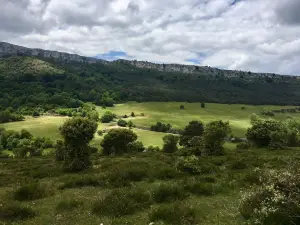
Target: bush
[(130, 124), (153, 149), (82, 181), (214, 137), (77, 133), (132, 114), (136, 147), (202, 105), (243, 145), (122, 202), (199, 188), (68, 205), (122, 123), (31, 192), (262, 131), (107, 117), (166, 193), (170, 143), (117, 141), (193, 129), (60, 150), (194, 165), (11, 212), (161, 127), (100, 132), (239, 164), (175, 214), (181, 107), (276, 202)]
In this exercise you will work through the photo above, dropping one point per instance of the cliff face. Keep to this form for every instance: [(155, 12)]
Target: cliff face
[(7, 49)]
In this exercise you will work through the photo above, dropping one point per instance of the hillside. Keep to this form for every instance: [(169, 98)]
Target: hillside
[(48, 79)]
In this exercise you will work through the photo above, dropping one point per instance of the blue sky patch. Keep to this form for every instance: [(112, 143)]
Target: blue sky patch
[(112, 55)]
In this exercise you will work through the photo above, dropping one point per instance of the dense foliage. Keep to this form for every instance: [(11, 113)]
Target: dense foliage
[(193, 129), (77, 134), (27, 82), (6, 116), (23, 143), (117, 141)]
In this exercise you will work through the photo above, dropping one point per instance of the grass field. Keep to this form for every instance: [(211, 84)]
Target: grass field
[(167, 112)]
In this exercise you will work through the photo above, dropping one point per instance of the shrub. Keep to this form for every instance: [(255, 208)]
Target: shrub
[(202, 105), (243, 145), (260, 133), (136, 147), (82, 181), (130, 124), (170, 143), (132, 114), (100, 132), (193, 129), (161, 127), (199, 188), (68, 205), (77, 133), (181, 107), (25, 134), (31, 191), (60, 150), (125, 116), (12, 212), (153, 149), (166, 192), (239, 164), (107, 117), (117, 141), (175, 214), (122, 202), (194, 165), (276, 202), (122, 123), (214, 137)]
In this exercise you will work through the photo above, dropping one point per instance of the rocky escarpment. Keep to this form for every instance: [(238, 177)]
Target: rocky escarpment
[(7, 49)]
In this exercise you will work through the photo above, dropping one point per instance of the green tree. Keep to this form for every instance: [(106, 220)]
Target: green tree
[(202, 105), (107, 117), (130, 124), (170, 143), (117, 140), (122, 123), (214, 137), (26, 134), (193, 129), (77, 134), (181, 106), (264, 131)]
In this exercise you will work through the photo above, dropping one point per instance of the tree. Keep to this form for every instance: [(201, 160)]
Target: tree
[(193, 129), (263, 131), (181, 107), (122, 123), (77, 134), (202, 105), (130, 124), (107, 117), (214, 137), (132, 114), (117, 140), (170, 143), (25, 134)]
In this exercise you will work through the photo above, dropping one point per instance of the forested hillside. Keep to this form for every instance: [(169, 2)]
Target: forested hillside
[(47, 83)]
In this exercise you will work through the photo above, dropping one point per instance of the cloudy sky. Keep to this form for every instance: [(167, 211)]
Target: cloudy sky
[(255, 35)]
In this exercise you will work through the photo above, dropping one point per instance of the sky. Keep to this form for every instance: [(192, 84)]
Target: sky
[(250, 35)]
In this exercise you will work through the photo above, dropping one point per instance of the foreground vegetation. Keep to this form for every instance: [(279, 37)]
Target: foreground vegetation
[(123, 181)]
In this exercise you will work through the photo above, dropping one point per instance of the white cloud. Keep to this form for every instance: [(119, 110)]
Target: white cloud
[(256, 35)]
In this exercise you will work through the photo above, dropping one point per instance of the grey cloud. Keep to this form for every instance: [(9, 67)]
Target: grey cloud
[(288, 11)]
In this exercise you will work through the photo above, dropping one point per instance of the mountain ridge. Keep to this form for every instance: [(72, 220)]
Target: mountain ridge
[(8, 49)]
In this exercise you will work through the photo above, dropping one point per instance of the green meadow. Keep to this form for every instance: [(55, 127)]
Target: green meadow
[(166, 112)]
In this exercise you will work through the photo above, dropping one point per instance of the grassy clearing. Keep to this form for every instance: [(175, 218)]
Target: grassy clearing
[(169, 112)]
